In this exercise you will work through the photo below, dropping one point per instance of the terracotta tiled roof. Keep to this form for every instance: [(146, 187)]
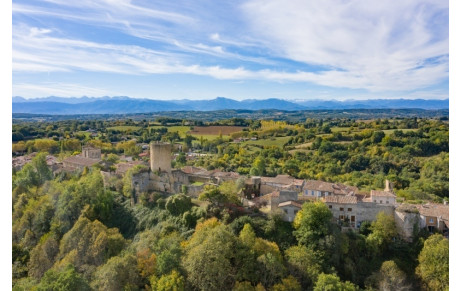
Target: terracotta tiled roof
[(379, 193), (192, 170), (79, 160), (226, 174), (124, 167), (283, 179), (336, 188), (341, 199), (434, 210), (293, 203)]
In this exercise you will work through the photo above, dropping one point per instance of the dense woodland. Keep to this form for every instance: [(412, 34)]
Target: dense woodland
[(72, 233)]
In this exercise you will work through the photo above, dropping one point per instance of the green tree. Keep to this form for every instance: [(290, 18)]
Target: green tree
[(213, 194), (392, 278), (210, 257), (433, 266), (383, 230), (287, 284), (119, 273), (312, 223), (43, 255), (170, 282), (258, 167), (43, 171), (330, 282), (230, 190), (68, 279), (89, 243), (178, 204), (304, 264)]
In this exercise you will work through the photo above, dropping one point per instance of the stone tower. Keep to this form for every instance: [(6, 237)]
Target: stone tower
[(160, 157), (91, 153)]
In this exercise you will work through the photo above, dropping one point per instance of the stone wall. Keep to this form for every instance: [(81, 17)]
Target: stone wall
[(362, 211), (194, 190), (140, 182), (290, 212), (405, 223)]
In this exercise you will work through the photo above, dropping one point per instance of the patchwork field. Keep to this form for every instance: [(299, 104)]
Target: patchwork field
[(274, 141), (215, 130), (124, 128)]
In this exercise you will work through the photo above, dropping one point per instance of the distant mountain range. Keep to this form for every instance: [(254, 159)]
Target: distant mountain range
[(127, 105)]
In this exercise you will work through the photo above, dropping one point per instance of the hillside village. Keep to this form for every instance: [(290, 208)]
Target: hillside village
[(284, 194)]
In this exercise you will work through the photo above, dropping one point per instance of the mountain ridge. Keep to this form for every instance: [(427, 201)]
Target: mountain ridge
[(125, 104)]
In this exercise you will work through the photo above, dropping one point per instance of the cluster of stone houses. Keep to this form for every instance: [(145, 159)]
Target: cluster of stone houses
[(349, 207)]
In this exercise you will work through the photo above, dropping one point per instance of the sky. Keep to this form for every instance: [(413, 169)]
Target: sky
[(254, 49)]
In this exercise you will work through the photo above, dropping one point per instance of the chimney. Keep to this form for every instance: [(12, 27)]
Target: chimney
[(388, 186)]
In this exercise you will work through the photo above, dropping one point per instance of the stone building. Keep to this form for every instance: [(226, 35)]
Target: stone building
[(349, 211), (387, 196), (434, 216), (91, 152), (290, 209), (160, 157), (318, 189), (78, 163), (407, 218), (280, 182)]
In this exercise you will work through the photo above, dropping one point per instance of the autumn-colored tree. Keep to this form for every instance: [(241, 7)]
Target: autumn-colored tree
[(43, 255), (392, 278), (119, 273), (89, 243)]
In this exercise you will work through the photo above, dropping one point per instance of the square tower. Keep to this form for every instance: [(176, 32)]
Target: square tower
[(160, 157), (91, 152)]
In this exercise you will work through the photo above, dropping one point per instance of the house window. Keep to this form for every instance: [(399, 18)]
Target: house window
[(330, 206), (319, 193), (381, 201), (431, 220), (341, 208), (341, 217), (285, 211), (295, 211), (388, 202), (349, 209), (327, 193), (375, 201), (312, 193)]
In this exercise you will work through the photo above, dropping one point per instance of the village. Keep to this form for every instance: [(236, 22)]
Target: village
[(284, 194)]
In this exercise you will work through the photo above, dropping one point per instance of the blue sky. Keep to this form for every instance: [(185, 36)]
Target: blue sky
[(237, 49)]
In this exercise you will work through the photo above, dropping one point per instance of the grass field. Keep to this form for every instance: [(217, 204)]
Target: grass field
[(390, 131), (85, 133), (274, 141), (124, 128), (339, 129), (207, 132), (303, 146), (215, 130), (182, 130)]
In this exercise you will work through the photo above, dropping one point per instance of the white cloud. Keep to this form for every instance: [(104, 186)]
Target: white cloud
[(377, 46), (383, 46), (28, 90)]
